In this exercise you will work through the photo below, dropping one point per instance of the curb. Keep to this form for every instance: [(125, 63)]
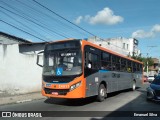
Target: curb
[(21, 98)]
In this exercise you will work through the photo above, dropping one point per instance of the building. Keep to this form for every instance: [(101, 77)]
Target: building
[(24, 46), (19, 72), (10, 39), (155, 66), (125, 46)]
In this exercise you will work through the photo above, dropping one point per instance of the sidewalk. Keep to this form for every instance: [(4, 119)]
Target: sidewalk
[(20, 98)]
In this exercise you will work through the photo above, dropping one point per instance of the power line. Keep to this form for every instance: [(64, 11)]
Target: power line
[(68, 20), (41, 13), (62, 17), (22, 30), (51, 17), (33, 22), (20, 23), (26, 18)]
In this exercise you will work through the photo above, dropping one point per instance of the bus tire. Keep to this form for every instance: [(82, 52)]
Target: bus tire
[(133, 85), (102, 93)]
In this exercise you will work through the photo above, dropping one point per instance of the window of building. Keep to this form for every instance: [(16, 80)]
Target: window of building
[(123, 45), (127, 46), (1, 41)]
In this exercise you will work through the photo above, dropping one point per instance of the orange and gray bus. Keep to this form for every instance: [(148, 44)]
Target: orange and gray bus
[(80, 69)]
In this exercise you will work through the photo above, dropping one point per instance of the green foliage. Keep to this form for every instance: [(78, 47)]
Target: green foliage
[(144, 60)]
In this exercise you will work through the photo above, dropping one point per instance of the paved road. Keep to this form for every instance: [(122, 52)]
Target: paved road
[(119, 101)]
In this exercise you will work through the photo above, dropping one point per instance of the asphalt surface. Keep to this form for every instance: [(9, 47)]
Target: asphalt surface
[(20, 98), (119, 101)]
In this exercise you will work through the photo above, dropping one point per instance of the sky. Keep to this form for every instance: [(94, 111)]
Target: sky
[(139, 19)]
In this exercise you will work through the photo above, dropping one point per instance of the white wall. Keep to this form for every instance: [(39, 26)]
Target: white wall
[(116, 44), (18, 72)]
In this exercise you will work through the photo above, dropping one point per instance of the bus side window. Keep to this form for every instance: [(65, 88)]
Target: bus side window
[(128, 69), (105, 61), (115, 63), (123, 65), (118, 63), (138, 68), (129, 66), (93, 61), (86, 60)]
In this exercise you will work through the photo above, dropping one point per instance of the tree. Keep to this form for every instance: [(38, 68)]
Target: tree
[(144, 60)]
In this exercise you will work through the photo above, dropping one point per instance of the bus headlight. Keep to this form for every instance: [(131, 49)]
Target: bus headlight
[(75, 86)]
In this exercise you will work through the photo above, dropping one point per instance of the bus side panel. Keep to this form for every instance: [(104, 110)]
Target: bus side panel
[(138, 78), (92, 82), (115, 81), (125, 80), (111, 83)]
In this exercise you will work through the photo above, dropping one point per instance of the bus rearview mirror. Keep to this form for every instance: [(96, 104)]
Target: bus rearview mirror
[(39, 61)]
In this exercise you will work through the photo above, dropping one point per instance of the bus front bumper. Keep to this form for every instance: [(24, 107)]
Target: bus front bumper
[(78, 92)]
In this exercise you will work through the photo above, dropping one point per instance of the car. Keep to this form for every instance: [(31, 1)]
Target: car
[(153, 91), (150, 78), (145, 78)]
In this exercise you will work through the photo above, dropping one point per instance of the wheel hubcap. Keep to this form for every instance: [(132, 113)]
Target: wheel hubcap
[(134, 86), (102, 92)]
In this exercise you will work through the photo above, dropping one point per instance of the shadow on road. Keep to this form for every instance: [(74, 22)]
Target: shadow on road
[(138, 105), (70, 102), (79, 102)]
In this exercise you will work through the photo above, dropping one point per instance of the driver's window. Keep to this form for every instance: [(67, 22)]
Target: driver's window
[(51, 60), (92, 61)]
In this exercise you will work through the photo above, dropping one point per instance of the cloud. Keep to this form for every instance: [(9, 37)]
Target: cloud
[(156, 28), (143, 34), (78, 20), (105, 16)]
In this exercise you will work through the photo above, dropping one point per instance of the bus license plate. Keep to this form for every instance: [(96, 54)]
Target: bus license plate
[(54, 93)]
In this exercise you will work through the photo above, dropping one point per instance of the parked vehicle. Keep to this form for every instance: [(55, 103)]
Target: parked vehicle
[(150, 78), (145, 79), (153, 91)]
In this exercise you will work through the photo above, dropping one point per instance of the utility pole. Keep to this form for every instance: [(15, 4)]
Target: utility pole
[(148, 57), (159, 65), (147, 64)]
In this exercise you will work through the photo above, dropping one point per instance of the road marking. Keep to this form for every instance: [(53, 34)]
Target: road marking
[(22, 101)]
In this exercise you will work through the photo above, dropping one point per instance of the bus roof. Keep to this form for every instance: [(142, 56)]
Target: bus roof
[(85, 42), (109, 51), (65, 40)]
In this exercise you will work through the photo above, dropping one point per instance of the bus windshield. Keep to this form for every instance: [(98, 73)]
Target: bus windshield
[(64, 62)]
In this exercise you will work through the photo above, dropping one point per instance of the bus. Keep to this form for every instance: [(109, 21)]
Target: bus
[(79, 69)]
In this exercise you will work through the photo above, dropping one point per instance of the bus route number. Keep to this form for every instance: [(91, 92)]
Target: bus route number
[(115, 75)]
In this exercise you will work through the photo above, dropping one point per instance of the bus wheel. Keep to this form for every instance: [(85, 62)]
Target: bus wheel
[(133, 86), (102, 93)]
